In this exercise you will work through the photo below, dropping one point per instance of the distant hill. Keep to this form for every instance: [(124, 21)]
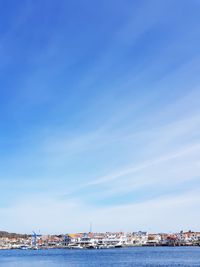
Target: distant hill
[(12, 235)]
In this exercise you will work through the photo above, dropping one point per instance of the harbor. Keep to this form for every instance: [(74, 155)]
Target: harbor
[(91, 240)]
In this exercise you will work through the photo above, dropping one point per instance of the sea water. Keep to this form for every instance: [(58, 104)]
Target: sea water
[(135, 256)]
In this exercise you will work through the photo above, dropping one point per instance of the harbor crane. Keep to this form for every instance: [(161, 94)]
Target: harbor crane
[(34, 239)]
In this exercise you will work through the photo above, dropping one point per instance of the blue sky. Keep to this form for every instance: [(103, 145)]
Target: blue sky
[(99, 115)]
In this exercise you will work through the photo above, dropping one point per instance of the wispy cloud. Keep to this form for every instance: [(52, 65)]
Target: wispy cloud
[(145, 165)]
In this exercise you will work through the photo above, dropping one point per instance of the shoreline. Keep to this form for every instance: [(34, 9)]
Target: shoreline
[(85, 248)]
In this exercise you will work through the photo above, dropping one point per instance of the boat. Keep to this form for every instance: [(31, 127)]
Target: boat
[(75, 246)]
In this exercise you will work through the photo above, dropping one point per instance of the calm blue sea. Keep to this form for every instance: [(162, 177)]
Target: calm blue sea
[(141, 256)]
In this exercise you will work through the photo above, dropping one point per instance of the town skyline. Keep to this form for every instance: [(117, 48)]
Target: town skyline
[(108, 240)]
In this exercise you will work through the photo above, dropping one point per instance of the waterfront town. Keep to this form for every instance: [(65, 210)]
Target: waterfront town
[(97, 240)]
